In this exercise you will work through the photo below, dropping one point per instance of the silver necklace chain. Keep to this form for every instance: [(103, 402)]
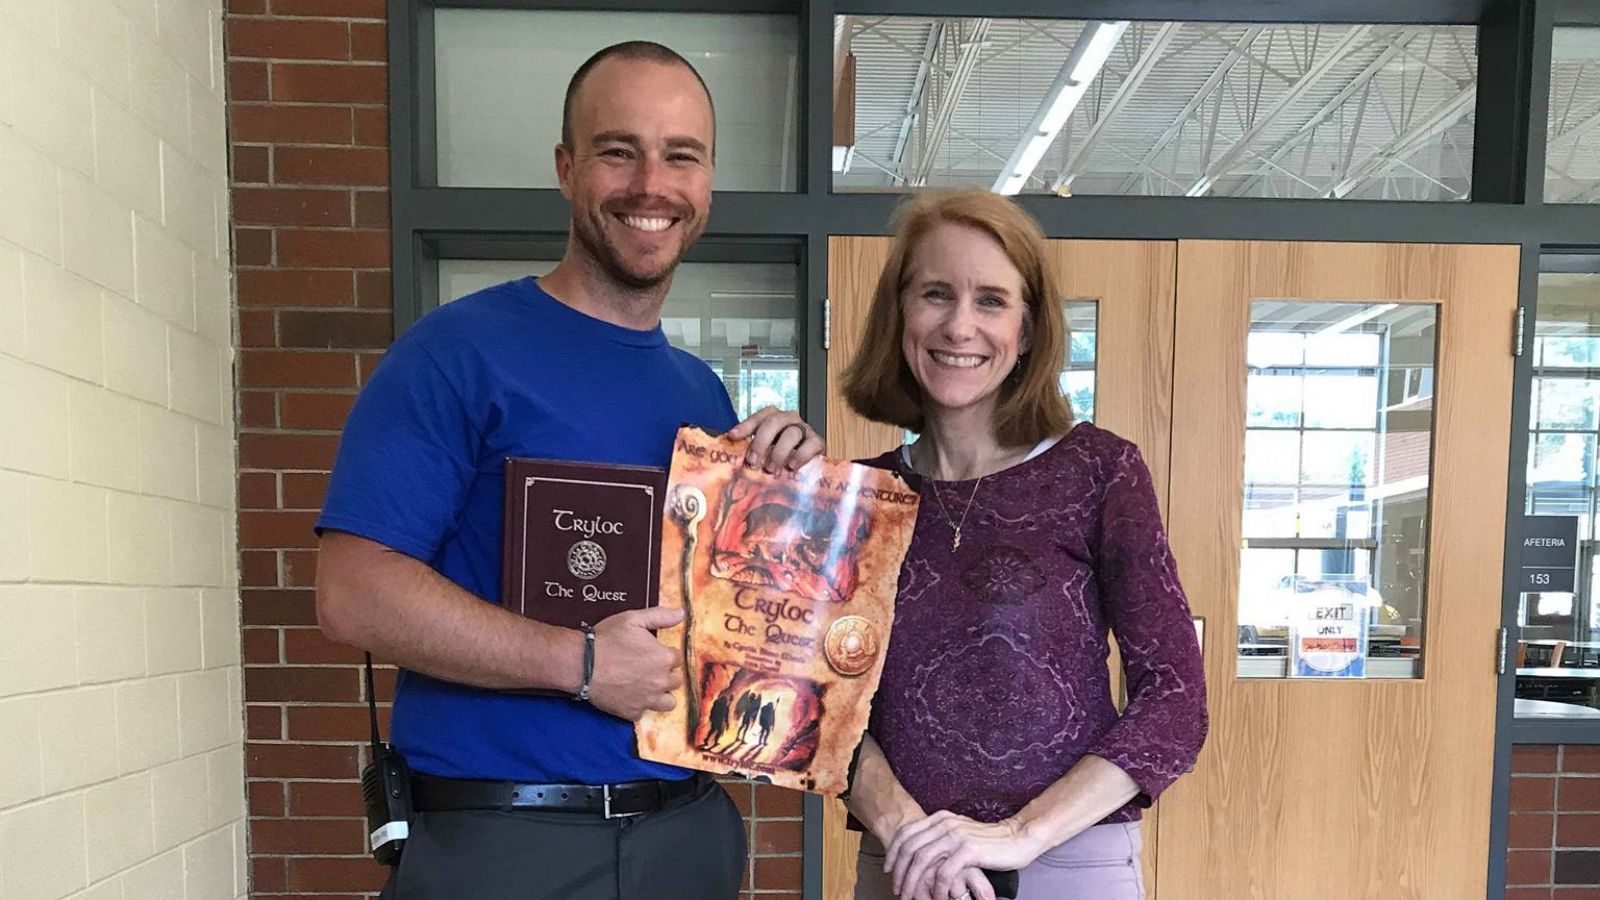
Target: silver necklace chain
[(956, 525), (955, 541)]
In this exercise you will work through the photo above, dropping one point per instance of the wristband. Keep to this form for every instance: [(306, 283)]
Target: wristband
[(588, 664)]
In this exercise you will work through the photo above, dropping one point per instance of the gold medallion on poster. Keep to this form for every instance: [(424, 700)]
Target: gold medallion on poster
[(787, 581)]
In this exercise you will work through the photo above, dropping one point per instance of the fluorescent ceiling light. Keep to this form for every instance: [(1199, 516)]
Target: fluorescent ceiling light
[(1095, 45), (1029, 160), (1099, 50), (1061, 108)]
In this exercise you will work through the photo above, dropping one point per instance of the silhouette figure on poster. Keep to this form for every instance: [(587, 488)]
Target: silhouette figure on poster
[(719, 721), (768, 716), (749, 706)]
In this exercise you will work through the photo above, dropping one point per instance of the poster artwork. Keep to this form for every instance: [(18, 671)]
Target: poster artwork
[(788, 582)]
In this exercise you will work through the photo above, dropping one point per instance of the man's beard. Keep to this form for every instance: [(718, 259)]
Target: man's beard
[(591, 233)]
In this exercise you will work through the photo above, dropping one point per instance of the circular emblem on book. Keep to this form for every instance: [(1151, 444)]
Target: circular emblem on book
[(586, 560), (851, 646)]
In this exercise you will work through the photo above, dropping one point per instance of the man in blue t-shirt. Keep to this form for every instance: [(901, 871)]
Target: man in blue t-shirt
[(519, 795)]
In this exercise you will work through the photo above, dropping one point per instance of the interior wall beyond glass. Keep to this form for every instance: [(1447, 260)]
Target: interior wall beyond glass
[(502, 77), (738, 317)]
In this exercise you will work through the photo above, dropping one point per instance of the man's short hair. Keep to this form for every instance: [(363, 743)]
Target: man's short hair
[(649, 51)]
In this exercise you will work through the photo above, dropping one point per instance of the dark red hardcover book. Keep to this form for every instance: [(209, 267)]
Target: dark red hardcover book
[(582, 540)]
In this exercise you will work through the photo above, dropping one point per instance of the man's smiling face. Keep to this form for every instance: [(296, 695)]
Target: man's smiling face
[(638, 172)]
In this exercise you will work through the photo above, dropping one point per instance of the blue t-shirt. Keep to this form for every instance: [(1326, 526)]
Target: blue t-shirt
[(508, 371)]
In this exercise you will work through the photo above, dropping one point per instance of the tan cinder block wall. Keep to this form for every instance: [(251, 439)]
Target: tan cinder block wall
[(121, 771)]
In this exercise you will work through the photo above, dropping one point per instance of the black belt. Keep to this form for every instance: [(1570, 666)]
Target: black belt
[(430, 793)]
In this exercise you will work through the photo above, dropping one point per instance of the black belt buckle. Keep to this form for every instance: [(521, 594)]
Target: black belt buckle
[(605, 810)]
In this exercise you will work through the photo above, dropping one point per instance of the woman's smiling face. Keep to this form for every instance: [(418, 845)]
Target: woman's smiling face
[(964, 317)]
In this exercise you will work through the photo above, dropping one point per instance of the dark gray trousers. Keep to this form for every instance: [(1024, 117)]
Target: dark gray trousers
[(693, 850)]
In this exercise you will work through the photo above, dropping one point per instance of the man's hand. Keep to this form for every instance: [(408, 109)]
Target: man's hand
[(633, 671), (779, 439)]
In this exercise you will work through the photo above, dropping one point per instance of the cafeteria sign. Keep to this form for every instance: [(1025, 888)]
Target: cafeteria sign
[(1328, 638), (1549, 554)]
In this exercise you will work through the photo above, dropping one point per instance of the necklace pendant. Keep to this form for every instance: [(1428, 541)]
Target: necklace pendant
[(955, 542)]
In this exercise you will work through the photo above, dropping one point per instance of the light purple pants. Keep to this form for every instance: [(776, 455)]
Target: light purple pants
[(1102, 863)]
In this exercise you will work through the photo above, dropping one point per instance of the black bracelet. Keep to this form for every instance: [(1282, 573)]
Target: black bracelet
[(588, 664)]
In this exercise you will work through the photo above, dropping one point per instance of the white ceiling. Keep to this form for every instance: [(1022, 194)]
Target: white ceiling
[(1364, 111)]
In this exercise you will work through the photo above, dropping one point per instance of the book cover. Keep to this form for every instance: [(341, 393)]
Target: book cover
[(788, 583), (582, 540)]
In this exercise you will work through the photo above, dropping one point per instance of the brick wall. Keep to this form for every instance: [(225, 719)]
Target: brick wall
[(308, 139), (308, 135), (1554, 838)]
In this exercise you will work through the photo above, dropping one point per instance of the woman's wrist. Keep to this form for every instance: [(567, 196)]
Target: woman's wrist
[(889, 824), (1029, 835)]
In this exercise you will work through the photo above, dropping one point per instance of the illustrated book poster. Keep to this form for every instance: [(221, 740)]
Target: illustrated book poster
[(787, 582)]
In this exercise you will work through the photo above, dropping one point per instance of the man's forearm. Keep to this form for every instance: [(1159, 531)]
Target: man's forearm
[(406, 613)]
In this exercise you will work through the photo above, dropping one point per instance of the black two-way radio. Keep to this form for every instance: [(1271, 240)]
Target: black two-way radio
[(386, 788)]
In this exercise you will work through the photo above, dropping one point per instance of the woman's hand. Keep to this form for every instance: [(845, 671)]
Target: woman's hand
[(930, 854), (779, 439)]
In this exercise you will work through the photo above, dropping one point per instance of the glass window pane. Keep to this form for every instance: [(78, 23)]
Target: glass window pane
[(1563, 628), (502, 77), (1589, 566), (1572, 148), (1336, 494), (1381, 112), (1550, 605), (1337, 457), (1566, 403), (1264, 576), (1341, 348), (1077, 376), (1266, 349), (767, 382), (1335, 512), (1271, 457), (1341, 399), (1579, 352), (1275, 400), (1270, 511), (1082, 324), (738, 317), (1079, 388), (1561, 464)]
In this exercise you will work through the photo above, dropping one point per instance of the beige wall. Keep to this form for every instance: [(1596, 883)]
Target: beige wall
[(121, 771)]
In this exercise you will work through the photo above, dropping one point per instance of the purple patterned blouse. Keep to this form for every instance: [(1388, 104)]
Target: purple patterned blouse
[(996, 681)]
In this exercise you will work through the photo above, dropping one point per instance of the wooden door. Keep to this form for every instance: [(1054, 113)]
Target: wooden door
[(1349, 789), (1131, 285)]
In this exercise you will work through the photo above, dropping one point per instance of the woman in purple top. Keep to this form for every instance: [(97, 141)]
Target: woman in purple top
[(994, 741)]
